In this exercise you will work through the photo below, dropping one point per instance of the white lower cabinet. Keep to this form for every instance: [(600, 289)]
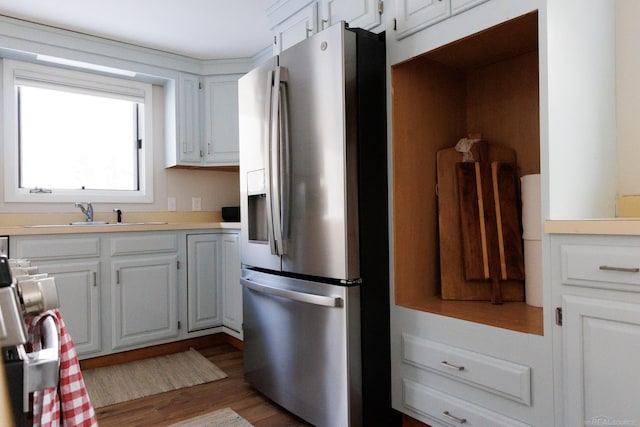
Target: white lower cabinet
[(231, 288), (447, 385), (74, 261), (447, 371), (144, 296), (78, 285), (601, 344), (124, 290), (596, 285), (213, 277), (444, 408), (203, 281), (501, 377)]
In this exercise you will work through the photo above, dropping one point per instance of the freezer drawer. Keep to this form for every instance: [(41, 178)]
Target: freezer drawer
[(302, 346)]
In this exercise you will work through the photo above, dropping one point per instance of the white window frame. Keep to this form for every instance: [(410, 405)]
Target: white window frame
[(14, 71)]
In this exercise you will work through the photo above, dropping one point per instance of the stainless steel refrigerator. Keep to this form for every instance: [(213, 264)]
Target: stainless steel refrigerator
[(314, 239)]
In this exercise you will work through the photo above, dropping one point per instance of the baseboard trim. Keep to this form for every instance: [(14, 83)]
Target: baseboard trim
[(161, 350)]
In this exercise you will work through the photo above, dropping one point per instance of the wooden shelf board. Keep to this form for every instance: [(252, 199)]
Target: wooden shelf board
[(515, 316)]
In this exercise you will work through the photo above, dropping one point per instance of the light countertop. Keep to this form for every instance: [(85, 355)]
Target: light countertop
[(112, 228), (58, 223), (610, 226)]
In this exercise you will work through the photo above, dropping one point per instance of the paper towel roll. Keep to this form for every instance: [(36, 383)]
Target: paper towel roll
[(533, 272), (531, 207)]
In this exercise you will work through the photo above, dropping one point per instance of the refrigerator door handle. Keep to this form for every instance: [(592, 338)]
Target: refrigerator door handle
[(314, 299), (277, 159), (284, 142), (269, 120)]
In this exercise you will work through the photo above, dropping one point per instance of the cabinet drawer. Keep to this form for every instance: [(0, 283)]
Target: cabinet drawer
[(144, 244), (500, 377), (43, 249), (607, 267), (444, 408)]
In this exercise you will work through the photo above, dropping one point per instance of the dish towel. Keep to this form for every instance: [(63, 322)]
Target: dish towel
[(68, 404)]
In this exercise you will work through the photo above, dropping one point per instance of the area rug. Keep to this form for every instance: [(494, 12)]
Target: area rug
[(128, 381), (222, 418)]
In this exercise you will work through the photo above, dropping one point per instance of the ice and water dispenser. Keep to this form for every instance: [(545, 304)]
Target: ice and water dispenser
[(257, 206)]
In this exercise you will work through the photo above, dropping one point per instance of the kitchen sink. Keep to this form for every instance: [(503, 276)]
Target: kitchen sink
[(89, 223), (93, 223)]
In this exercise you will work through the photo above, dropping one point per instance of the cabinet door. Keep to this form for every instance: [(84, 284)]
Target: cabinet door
[(232, 290), (203, 260), (221, 120), (358, 14), (189, 119), (415, 15), (296, 28), (601, 347), (459, 6), (78, 286), (144, 299)]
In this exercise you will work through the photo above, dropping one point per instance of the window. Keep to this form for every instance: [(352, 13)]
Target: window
[(75, 136)]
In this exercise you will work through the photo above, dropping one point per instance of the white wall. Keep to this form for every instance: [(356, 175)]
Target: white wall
[(579, 108), (628, 95)]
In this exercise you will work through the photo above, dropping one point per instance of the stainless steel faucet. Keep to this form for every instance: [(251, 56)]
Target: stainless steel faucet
[(88, 212)]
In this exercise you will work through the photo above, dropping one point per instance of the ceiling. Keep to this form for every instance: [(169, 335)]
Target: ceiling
[(201, 29)]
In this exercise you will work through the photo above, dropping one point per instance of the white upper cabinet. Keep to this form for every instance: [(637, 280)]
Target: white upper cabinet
[(415, 15), (189, 119), (221, 120), (207, 125), (296, 28), (294, 20), (357, 13), (459, 6)]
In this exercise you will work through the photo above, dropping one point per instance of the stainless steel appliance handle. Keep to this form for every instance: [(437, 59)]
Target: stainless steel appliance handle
[(276, 192), (322, 300), (270, 113), (284, 142), (273, 168), (267, 158)]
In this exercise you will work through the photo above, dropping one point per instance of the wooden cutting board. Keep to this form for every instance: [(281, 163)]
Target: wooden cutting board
[(507, 202), (454, 283)]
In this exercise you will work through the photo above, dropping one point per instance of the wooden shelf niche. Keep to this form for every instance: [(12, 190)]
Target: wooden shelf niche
[(487, 83)]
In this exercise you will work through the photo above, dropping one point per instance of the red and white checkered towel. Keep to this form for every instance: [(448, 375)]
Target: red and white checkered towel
[(68, 404)]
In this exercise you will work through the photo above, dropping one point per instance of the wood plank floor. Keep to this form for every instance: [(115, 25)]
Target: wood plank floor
[(233, 392)]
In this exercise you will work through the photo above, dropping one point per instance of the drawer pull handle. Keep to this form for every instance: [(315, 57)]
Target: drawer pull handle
[(450, 366), (454, 418), (623, 269)]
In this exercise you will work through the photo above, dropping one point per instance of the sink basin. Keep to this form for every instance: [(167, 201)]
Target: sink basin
[(93, 223), (89, 223), (140, 223)]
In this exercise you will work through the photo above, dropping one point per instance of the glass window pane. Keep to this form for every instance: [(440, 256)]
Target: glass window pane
[(73, 141)]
